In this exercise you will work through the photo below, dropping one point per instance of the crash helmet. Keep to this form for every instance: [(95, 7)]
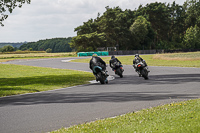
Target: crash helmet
[(94, 55), (112, 57), (136, 55)]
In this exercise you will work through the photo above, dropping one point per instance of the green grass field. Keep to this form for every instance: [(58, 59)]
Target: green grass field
[(191, 59), (182, 117), (17, 79), (9, 57), (180, 56)]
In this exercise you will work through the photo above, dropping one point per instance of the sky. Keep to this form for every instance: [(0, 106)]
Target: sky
[(46, 19)]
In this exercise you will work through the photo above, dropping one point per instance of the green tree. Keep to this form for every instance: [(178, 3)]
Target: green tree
[(88, 42), (88, 27), (158, 14), (123, 21), (192, 38), (113, 25), (177, 28), (9, 6), (193, 13), (110, 25), (139, 30), (7, 48)]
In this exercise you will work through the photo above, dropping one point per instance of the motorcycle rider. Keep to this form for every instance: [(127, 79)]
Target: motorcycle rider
[(97, 61), (136, 60), (112, 61)]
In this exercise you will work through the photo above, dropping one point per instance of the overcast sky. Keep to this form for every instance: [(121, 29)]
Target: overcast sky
[(45, 19)]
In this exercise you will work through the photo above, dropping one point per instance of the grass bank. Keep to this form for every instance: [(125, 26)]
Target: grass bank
[(14, 56), (190, 59), (18, 79), (182, 117)]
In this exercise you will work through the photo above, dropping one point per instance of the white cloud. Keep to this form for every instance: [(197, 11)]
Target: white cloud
[(57, 18)]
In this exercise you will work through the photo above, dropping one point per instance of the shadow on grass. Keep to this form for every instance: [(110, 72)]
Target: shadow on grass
[(7, 91), (64, 96), (17, 89), (10, 86), (45, 80)]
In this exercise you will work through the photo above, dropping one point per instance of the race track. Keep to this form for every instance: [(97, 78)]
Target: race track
[(51, 110)]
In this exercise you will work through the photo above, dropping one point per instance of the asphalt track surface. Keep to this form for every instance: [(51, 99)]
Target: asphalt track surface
[(51, 110)]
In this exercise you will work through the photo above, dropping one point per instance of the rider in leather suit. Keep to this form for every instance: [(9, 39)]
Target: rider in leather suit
[(97, 61), (112, 61), (136, 60)]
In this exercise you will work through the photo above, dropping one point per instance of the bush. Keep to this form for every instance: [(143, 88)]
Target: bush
[(49, 50), (7, 48), (192, 38)]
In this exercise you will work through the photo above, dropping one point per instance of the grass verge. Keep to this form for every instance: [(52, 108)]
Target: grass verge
[(18, 79), (191, 59), (182, 117), (9, 57)]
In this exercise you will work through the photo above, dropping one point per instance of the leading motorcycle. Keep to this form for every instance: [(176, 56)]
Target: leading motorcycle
[(101, 75)]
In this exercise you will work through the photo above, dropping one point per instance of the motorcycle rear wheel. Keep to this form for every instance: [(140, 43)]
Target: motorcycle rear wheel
[(119, 72), (101, 78)]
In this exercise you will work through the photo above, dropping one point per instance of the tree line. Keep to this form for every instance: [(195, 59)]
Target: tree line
[(50, 45), (153, 26)]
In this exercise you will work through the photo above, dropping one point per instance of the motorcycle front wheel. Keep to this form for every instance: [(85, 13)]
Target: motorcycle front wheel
[(145, 74)]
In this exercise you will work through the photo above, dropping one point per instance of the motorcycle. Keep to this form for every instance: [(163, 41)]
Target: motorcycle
[(142, 70), (118, 69), (100, 74)]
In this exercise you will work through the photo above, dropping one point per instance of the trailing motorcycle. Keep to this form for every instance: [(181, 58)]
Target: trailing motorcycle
[(118, 69), (142, 70), (100, 74)]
